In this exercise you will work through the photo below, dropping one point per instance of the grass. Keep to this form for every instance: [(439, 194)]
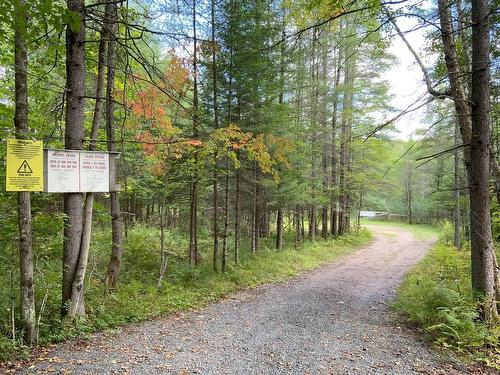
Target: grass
[(436, 296), (138, 298)]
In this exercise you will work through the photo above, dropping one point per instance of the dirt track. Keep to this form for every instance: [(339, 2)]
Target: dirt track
[(334, 320)]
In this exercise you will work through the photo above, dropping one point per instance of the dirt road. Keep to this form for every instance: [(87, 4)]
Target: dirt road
[(334, 320)]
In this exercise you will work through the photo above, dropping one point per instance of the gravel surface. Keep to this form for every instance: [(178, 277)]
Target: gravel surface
[(334, 320)]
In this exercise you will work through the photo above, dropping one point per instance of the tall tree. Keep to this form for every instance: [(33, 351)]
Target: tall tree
[(334, 214), (216, 125), (193, 196), (281, 94), (483, 261), (28, 313), (485, 280), (74, 126), (111, 22), (79, 277), (456, 194)]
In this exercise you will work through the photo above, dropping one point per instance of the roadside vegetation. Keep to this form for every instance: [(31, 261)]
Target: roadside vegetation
[(242, 126), (139, 298), (436, 296)]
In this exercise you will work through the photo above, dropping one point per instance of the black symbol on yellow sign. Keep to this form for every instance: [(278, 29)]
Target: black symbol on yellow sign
[(25, 168)]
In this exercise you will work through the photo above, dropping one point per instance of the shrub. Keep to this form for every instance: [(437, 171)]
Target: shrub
[(436, 296)]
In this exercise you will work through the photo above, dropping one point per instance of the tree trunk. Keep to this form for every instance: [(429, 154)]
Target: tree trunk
[(74, 121), (237, 228), (456, 194), (455, 77), (297, 227), (216, 125), (255, 212), (324, 133), (279, 217), (279, 229), (314, 137), (409, 193), (28, 313), (78, 282), (116, 220), (334, 158), (163, 211), (343, 151), (265, 222), (228, 169), (483, 265), (226, 218), (193, 196), (312, 222)]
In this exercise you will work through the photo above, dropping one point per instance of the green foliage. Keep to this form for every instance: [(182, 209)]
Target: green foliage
[(495, 219), (436, 295), (137, 297), (446, 233)]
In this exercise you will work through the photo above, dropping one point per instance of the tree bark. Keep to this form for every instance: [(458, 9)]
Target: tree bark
[(228, 169), (483, 260), (334, 158), (216, 125), (193, 222), (314, 137), (279, 216), (298, 237), (279, 229), (226, 218), (343, 151), (255, 212), (456, 193), (237, 227), (28, 313), (74, 121), (163, 211), (79, 278), (116, 219), (456, 81), (324, 133), (409, 192)]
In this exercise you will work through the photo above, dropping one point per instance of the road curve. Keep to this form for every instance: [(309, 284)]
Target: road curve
[(334, 320)]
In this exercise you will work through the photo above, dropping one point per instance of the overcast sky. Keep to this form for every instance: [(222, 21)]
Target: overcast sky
[(406, 79)]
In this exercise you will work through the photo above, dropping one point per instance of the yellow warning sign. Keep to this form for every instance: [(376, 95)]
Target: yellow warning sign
[(24, 165)]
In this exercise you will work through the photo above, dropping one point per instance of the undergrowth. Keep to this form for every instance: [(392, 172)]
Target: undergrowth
[(436, 296), (138, 298)]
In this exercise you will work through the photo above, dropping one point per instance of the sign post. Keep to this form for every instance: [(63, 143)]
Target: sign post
[(24, 165), (76, 171), (31, 168)]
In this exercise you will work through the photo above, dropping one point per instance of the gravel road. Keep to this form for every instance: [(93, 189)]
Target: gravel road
[(334, 320)]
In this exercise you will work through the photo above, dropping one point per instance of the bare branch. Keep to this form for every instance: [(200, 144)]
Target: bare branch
[(430, 87)]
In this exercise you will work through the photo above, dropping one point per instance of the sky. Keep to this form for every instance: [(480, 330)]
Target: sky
[(406, 78)]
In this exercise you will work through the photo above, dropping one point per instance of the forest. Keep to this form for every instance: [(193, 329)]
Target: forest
[(251, 136)]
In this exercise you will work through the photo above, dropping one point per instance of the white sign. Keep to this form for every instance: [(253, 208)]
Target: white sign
[(94, 172), (63, 171), (77, 171)]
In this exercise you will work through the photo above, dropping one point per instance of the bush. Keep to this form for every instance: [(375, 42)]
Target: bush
[(446, 233), (436, 296)]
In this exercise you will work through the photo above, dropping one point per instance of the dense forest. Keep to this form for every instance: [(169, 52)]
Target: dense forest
[(243, 128)]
